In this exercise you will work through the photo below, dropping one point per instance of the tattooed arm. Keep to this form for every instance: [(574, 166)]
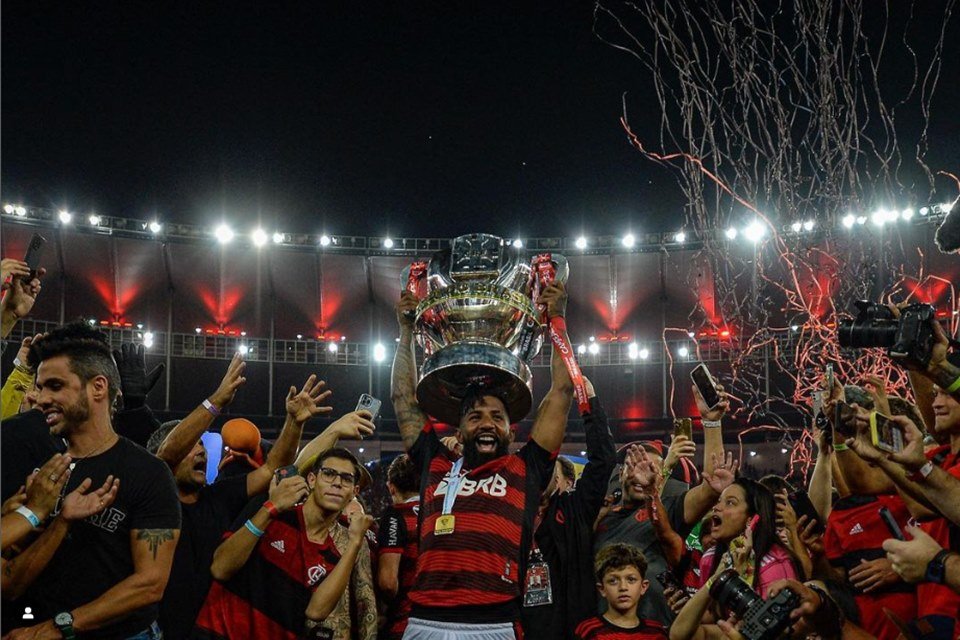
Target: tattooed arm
[(328, 593), (366, 605), (152, 551), (403, 381)]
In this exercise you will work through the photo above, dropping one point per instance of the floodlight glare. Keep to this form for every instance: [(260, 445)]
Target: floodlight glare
[(259, 237), (946, 207), (299, 336), (20, 210), (683, 352), (755, 231), (594, 348), (9, 208), (148, 339), (518, 243), (796, 226), (632, 351), (924, 210), (878, 217), (628, 240), (198, 330), (243, 349), (861, 219), (379, 352), (324, 240), (388, 243), (581, 349), (808, 225), (65, 216), (94, 219), (906, 214), (731, 233), (581, 243), (848, 220), (277, 237), (155, 226), (753, 454), (333, 347), (644, 353), (680, 237), (223, 233)]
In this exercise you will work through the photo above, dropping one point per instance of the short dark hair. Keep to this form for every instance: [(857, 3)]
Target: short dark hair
[(341, 454), (87, 350), (619, 556), (567, 469), (402, 474), (858, 395), (776, 484), (902, 407), (475, 393), (158, 436)]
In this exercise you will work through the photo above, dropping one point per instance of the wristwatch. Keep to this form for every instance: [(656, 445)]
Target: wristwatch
[(936, 569), (64, 622)]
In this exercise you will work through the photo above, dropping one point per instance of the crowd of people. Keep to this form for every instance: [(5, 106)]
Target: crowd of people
[(110, 528)]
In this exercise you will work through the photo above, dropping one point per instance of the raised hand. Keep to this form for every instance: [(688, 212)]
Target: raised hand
[(453, 445), (356, 425), (554, 299), (861, 444), (22, 294), (359, 523), (724, 472), (717, 412), (812, 540), (641, 469), (12, 267), (289, 492), (785, 512), (78, 504), (24, 350), (912, 456), (680, 447), (308, 402), (135, 382), (232, 380), (407, 309), (43, 490)]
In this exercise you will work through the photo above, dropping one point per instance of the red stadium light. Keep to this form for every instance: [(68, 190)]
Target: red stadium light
[(725, 333)]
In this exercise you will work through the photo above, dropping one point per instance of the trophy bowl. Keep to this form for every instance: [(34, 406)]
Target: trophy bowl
[(478, 325)]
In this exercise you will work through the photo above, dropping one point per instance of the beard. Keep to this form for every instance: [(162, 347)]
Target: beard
[(74, 415), (472, 458)]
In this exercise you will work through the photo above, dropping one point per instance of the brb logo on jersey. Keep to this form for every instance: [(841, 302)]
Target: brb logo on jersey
[(494, 486)]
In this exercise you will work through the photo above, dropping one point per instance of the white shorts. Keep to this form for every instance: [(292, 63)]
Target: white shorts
[(418, 629)]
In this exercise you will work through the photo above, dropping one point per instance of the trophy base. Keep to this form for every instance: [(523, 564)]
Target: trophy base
[(446, 375)]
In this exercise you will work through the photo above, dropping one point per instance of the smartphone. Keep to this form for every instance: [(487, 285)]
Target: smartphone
[(802, 505), (843, 418), (34, 251), (886, 434), (705, 385), (369, 403), (683, 427), (669, 581), (829, 379), (891, 523), (288, 471)]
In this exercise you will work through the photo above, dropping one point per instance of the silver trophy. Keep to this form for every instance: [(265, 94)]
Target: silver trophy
[(478, 324)]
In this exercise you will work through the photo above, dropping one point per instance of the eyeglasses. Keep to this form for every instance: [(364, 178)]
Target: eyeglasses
[(329, 475)]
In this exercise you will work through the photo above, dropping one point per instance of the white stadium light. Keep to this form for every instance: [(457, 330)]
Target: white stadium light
[(946, 207), (65, 216), (878, 217), (148, 339), (223, 233), (808, 225), (848, 220), (581, 349), (644, 353), (277, 237), (633, 351), (243, 349), (924, 210), (755, 231), (299, 336), (9, 209), (581, 242), (94, 219), (379, 352), (906, 214), (518, 243), (333, 347), (861, 220), (683, 352), (388, 243), (155, 226), (198, 330), (731, 233), (20, 210), (753, 454), (259, 237), (796, 226), (324, 240), (594, 348), (629, 240), (680, 237)]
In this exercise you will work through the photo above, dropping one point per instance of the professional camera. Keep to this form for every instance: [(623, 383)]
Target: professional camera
[(910, 338), (759, 619)]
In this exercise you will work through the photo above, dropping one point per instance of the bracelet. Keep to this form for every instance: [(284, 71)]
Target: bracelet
[(953, 388), (212, 408), (272, 509), (830, 610), (254, 529), (711, 424), (24, 368), (922, 473), (29, 515), (839, 446)]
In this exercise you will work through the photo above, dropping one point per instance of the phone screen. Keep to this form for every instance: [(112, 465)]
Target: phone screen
[(704, 381), (886, 434), (843, 420)]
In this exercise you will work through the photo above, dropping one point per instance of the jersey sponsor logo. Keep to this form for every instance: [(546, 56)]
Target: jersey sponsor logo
[(278, 545), (494, 486), (315, 574), (856, 529), (393, 532)]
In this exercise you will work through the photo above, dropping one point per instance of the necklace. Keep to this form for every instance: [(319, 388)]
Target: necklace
[(98, 450)]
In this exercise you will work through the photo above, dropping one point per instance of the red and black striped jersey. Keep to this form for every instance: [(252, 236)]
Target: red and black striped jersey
[(474, 574), (598, 628), (398, 534), (268, 596)]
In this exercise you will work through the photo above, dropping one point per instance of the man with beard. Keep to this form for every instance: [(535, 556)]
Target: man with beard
[(209, 510), (107, 577), (474, 542)]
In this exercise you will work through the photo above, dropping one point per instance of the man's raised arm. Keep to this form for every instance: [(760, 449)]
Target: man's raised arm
[(551, 420), (403, 381)]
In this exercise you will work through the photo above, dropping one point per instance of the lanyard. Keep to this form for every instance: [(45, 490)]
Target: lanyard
[(453, 485)]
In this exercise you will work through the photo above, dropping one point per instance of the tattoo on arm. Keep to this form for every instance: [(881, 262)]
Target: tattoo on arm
[(410, 418), (366, 598), (155, 538)]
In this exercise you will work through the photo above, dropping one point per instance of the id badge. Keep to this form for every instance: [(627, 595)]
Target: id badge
[(444, 525), (538, 591)]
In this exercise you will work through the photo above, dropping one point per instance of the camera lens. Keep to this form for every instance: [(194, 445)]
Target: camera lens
[(733, 593), (864, 334)]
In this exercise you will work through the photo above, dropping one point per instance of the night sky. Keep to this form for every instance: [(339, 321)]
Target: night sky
[(401, 118)]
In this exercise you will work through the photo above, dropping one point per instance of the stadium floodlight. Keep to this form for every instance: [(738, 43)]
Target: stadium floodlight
[(518, 243), (796, 226), (379, 352), (683, 352), (155, 227), (148, 339), (259, 237), (94, 219), (223, 233), (65, 216), (333, 347), (277, 237), (755, 231), (861, 220), (906, 214), (633, 351), (644, 353), (731, 233), (9, 209), (848, 220), (581, 349), (629, 240), (753, 454), (324, 240), (20, 210), (581, 242), (299, 336), (243, 349), (197, 330), (878, 217), (388, 243), (946, 207), (680, 237), (594, 348), (808, 225)]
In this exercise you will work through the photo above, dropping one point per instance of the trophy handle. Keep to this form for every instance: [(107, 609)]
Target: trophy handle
[(563, 268)]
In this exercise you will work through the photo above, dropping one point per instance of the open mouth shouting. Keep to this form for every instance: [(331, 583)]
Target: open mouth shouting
[(487, 443)]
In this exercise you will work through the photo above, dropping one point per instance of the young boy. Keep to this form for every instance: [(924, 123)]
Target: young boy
[(620, 570)]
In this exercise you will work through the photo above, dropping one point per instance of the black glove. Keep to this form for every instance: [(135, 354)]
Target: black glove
[(135, 382)]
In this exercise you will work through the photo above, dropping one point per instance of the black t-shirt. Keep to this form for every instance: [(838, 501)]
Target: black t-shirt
[(204, 523), (27, 445), (96, 553)]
